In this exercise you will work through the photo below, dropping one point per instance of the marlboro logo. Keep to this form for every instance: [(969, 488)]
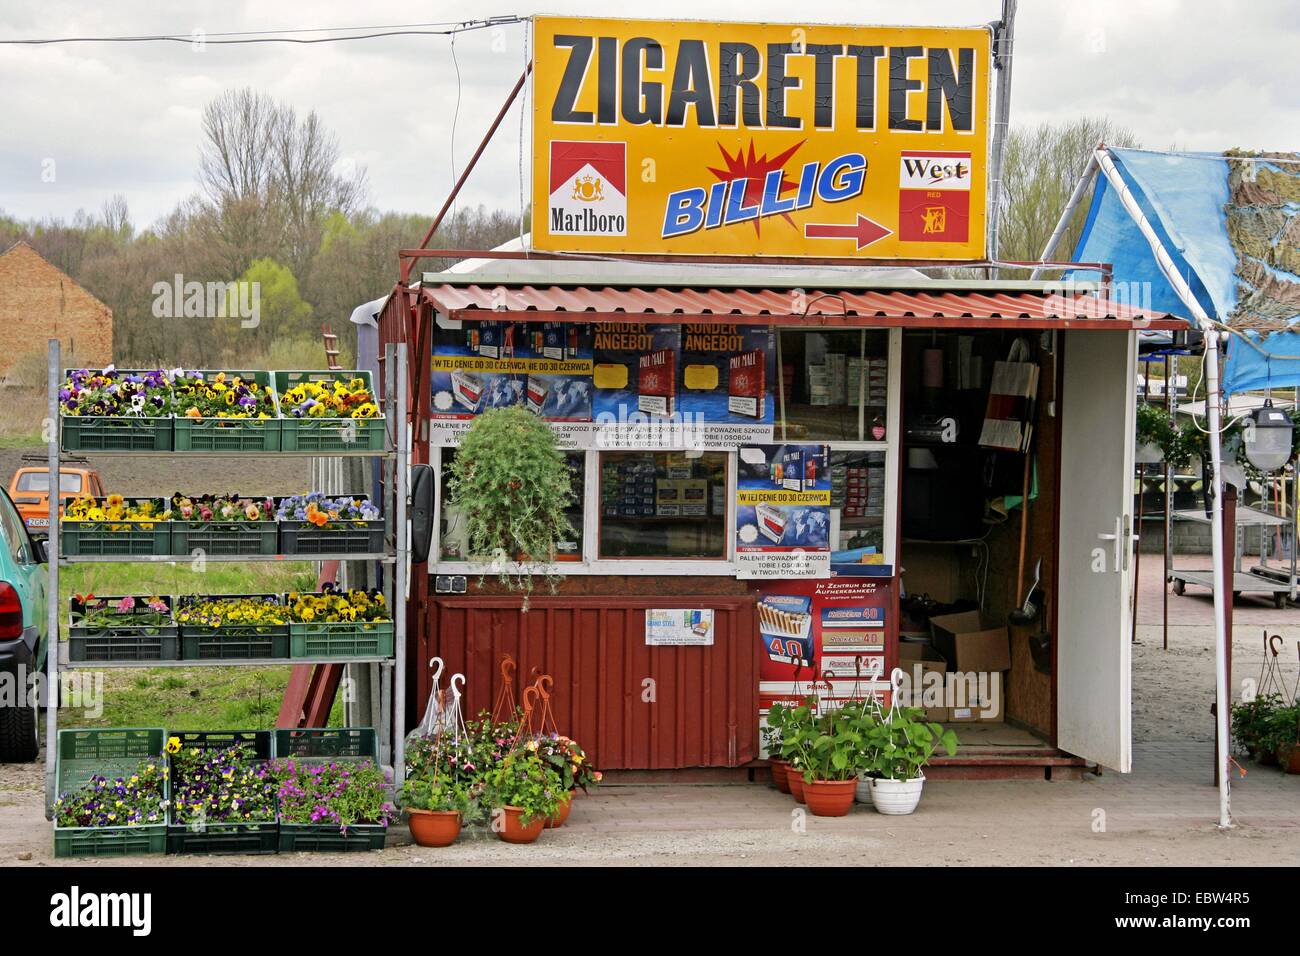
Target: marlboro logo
[(588, 189)]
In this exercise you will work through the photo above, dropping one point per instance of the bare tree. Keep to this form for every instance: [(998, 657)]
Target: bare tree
[(1042, 166)]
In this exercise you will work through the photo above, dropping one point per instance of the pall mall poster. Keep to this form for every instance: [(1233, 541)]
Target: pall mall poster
[(783, 500)]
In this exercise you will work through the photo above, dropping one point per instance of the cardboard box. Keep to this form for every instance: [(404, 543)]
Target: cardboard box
[(913, 655), (934, 570), (969, 646)]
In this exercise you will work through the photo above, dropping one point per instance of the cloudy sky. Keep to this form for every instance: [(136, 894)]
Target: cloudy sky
[(124, 118)]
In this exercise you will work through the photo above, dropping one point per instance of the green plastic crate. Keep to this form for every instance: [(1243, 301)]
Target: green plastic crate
[(261, 837), (234, 642), (326, 743), (109, 752), (315, 838), (230, 434), (329, 434), (87, 433), (135, 538), (124, 642), (225, 537), (333, 640), (321, 745)]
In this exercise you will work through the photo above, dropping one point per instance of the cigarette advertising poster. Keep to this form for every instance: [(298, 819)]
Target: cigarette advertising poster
[(803, 139), (832, 631), (679, 627), (783, 498)]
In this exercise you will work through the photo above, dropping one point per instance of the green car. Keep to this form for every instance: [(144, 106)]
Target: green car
[(23, 637)]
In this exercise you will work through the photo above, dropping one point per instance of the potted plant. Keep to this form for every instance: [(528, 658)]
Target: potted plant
[(443, 789), (512, 484), (524, 790), (773, 738), (899, 746), (831, 755), (1281, 737), (1250, 721), (570, 761), (796, 723)]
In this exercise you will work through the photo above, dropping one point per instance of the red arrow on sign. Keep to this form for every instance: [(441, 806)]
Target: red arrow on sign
[(864, 232)]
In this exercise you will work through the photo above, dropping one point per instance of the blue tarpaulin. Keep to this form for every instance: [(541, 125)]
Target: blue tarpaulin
[(1187, 198)]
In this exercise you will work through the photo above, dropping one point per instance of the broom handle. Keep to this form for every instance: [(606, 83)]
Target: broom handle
[(1024, 528)]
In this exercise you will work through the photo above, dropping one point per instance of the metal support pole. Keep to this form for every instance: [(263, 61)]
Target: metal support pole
[(1224, 651), (400, 570), (1222, 590), (53, 380), (1169, 493), (1005, 38)]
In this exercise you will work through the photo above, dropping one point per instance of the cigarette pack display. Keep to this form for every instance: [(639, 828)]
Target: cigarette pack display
[(793, 469), (657, 382), (538, 391), (467, 389), (495, 340), (747, 383), (771, 522), (785, 615)]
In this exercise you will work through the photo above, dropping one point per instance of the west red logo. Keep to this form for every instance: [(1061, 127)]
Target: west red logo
[(934, 196)]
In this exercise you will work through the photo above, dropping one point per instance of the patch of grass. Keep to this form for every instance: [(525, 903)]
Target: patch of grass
[(187, 698)]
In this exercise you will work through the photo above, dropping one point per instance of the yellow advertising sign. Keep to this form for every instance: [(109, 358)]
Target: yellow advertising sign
[(696, 138)]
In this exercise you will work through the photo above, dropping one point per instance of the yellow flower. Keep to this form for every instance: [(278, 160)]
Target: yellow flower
[(173, 746)]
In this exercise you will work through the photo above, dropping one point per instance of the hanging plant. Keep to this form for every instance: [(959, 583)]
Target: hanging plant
[(512, 484)]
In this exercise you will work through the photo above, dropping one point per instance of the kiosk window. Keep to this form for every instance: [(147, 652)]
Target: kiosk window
[(836, 384), (663, 504), (454, 537)]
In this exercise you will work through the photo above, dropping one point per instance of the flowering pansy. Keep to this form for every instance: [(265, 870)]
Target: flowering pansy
[(342, 398), (321, 510), (133, 799), (113, 393), (222, 395)]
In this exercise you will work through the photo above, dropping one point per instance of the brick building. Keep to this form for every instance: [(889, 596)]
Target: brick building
[(39, 301)]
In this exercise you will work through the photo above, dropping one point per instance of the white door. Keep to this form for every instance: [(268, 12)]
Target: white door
[(1093, 650)]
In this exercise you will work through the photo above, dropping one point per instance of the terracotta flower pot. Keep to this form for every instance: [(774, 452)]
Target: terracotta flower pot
[(829, 798), (512, 829), (434, 827), (795, 779), (1290, 762), (557, 818), (780, 775)]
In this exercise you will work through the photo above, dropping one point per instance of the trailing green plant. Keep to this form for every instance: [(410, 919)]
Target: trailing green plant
[(1250, 720), (900, 744), (1280, 732), (512, 484), (523, 780)]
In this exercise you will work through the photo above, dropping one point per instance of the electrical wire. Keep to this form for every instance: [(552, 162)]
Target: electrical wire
[(268, 36), (455, 117)]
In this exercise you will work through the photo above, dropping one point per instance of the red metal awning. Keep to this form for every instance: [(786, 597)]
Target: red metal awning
[(762, 306)]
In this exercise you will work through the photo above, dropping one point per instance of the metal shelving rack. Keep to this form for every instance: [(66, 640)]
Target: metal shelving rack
[(396, 462)]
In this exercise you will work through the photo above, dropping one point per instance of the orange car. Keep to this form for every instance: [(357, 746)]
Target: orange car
[(31, 485)]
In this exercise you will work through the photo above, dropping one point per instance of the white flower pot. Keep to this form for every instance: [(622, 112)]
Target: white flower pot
[(862, 792), (897, 796)]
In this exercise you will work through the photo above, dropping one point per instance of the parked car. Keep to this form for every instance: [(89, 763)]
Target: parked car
[(30, 489), (23, 632)]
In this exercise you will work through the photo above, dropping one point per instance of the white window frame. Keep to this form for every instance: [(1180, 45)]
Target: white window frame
[(592, 564)]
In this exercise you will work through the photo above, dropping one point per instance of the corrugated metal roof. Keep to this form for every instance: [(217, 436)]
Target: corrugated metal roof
[(741, 304)]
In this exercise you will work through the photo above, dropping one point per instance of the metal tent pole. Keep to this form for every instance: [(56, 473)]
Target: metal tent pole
[(1080, 189), (1212, 401)]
